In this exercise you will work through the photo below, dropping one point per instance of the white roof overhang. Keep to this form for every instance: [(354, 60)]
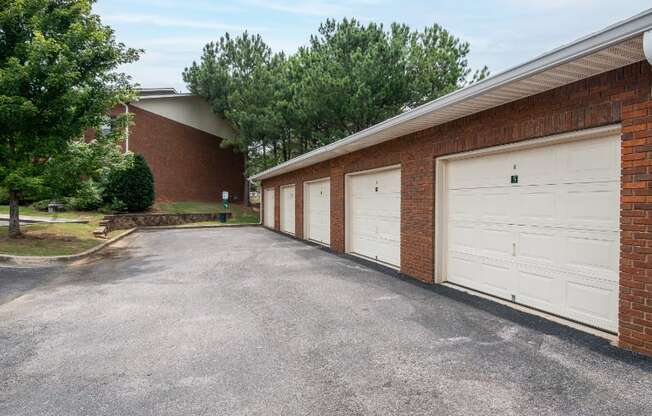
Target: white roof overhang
[(613, 47), (159, 96)]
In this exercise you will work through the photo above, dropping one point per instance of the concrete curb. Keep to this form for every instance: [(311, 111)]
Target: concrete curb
[(194, 227), (52, 260), (39, 261)]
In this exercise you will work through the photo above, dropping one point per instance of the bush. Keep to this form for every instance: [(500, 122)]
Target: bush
[(113, 207), (4, 196), (87, 198), (133, 186), (41, 205)]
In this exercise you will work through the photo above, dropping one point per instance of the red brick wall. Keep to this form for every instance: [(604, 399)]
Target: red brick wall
[(188, 164), (635, 312), (318, 171), (621, 96)]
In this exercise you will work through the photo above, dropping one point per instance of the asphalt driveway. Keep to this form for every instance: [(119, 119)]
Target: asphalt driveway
[(245, 321)]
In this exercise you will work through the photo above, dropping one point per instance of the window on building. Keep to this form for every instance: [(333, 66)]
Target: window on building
[(107, 125)]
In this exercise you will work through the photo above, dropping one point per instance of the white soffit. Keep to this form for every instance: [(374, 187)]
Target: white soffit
[(190, 110), (614, 47)]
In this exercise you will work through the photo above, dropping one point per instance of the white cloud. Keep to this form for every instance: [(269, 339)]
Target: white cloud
[(193, 5), (186, 42), (314, 8), (156, 20), (548, 5)]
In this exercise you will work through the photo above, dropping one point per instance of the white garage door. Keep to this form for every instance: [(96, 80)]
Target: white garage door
[(317, 206), (287, 209), (540, 226), (268, 208), (374, 215)]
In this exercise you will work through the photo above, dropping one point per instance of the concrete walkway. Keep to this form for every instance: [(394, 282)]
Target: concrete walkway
[(244, 321), (28, 219)]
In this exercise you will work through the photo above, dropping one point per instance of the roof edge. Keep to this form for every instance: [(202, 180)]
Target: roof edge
[(175, 95)]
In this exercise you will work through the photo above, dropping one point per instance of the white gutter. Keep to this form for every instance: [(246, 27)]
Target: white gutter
[(582, 47), (152, 97)]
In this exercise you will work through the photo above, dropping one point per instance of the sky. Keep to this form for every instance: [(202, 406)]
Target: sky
[(501, 33)]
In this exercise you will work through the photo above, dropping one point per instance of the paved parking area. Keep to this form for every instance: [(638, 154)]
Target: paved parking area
[(243, 321)]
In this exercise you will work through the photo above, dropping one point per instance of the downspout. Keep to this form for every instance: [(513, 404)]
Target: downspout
[(127, 127), (647, 46), (260, 200)]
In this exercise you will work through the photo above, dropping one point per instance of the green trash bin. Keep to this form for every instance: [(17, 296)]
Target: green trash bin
[(222, 217)]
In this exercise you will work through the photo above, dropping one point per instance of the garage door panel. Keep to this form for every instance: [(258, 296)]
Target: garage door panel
[(502, 282), (464, 270), (595, 206), (463, 206), (539, 289), (539, 246), (496, 242), (550, 239), (389, 231), (495, 205), (538, 205), (592, 302), (593, 250), (489, 171), (597, 160), (460, 235), (535, 167), (374, 212)]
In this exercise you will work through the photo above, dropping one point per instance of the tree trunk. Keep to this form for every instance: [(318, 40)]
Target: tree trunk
[(14, 224)]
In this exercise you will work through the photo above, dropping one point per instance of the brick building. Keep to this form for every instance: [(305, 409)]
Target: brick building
[(179, 136), (533, 186)]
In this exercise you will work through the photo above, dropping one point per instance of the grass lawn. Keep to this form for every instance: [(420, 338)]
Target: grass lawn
[(50, 239), (241, 214), (66, 239)]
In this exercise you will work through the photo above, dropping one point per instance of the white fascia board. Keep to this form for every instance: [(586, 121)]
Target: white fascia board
[(153, 97), (580, 48)]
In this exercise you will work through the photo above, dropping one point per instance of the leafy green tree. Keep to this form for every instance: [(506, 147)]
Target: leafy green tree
[(350, 76), (240, 76), (65, 174), (57, 77)]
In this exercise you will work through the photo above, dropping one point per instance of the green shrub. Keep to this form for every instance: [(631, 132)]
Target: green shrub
[(87, 198), (113, 207), (132, 186), (41, 205), (4, 196)]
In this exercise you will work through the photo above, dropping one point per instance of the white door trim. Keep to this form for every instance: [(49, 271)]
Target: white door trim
[(347, 217), (440, 237), (306, 208)]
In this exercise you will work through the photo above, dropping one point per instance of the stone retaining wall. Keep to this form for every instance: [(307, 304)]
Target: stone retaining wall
[(126, 221)]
